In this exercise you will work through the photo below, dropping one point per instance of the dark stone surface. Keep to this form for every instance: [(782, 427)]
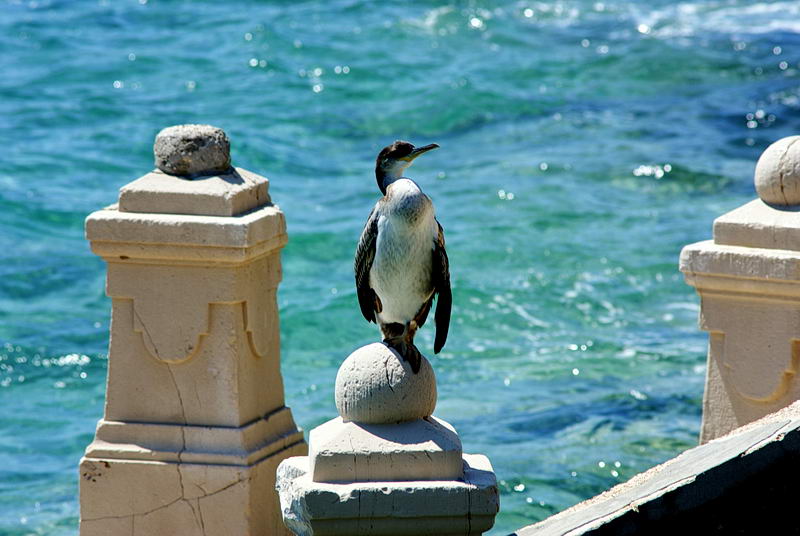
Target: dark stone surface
[(192, 151), (742, 483)]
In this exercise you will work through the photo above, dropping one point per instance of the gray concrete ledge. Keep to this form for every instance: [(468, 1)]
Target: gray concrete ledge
[(741, 483), (464, 507)]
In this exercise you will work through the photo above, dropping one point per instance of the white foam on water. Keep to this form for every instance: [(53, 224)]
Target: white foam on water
[(695, 19)]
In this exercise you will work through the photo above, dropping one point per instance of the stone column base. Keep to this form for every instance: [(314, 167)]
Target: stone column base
[(424, 507), (147, 479)]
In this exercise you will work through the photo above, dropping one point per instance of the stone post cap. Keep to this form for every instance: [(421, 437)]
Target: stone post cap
[(777, 176), (375, 385), (194, 176), (771, 222)]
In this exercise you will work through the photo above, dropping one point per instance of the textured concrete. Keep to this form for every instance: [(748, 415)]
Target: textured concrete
[(777, 176), (415, 450), (192, 151), (748, 279), (194, 425), (435, 508), (389, 473), (376, 385), (741, 484), (219, 195)]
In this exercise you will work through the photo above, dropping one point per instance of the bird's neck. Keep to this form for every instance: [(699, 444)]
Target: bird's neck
[(387, 175)]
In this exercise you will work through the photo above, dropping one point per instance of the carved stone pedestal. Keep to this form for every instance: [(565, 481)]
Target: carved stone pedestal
[(748, 279), (195, 423), (386, 466)]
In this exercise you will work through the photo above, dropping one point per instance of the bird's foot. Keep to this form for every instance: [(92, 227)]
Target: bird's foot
[(407, 351)]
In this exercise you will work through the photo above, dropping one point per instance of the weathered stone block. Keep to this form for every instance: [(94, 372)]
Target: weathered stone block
[(229, 194), (415, 450), (463, 507), (147, 498)]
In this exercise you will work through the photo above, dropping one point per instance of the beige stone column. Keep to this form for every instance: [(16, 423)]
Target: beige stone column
[(748, 279), (386, 466), (195, 423)]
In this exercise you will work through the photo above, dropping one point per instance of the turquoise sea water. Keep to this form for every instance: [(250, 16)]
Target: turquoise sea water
[(583, 144)]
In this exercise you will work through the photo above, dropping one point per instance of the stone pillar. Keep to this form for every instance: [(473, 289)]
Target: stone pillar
[(748, 279), (386, 466), (194, 424)]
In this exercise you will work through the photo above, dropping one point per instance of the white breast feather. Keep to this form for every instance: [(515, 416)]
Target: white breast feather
[(401, 271)]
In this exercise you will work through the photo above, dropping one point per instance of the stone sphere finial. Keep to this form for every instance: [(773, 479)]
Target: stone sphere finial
[(777, 175), (376, 386), (193, 150)]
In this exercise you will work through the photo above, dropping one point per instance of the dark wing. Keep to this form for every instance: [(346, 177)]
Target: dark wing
[(365, 254), (441, 286)]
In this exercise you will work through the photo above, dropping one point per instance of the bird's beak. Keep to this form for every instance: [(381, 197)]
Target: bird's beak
[(420, 150)]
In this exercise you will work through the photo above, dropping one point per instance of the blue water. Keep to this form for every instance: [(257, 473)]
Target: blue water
[(583, 144)]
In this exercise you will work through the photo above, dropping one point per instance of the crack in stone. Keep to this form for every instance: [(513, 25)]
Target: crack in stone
[(136, 514), (144, 327), (220, 490), (388, 379), (193, 349), (194, 512), (202, 521), (355, 459), (198, 514), (180, 401), (179, 499), (183, 429)]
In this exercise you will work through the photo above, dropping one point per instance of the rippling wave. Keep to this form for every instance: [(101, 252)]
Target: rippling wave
[(583, 144)]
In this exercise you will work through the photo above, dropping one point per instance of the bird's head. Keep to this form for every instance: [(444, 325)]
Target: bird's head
[(394, 159)]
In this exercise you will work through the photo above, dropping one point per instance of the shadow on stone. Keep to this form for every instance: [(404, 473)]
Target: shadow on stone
[(414, 433), (231, 176)]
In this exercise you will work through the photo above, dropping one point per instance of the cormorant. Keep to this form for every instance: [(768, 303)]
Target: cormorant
[(401, 262)]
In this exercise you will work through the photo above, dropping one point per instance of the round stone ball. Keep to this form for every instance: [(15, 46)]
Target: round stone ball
[(777, 175), (193, 151), (377, 386)]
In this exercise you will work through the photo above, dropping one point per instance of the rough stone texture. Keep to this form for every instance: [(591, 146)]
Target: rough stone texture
[(441, 508), (777, 176), (416, 450), (192, 150), (140, 498), (742, 483), (195, 423), (220, 195), (386, 466), (375, 385)]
